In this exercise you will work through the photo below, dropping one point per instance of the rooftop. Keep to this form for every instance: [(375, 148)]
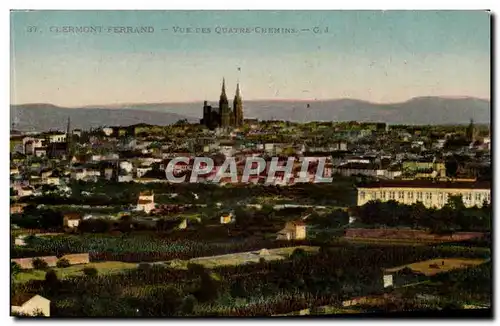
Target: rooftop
[(427, 184), (21, 298)]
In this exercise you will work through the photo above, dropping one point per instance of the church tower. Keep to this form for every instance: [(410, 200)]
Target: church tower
[(207, 115), (470, 132), (224, 110), (238, 108)]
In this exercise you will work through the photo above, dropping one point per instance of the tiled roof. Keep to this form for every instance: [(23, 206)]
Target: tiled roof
[(21, 298), (73, 216)]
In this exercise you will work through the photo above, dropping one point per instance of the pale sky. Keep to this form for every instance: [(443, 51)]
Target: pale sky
[(368, 55)]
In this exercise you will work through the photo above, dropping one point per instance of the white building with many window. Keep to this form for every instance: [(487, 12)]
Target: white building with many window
[(430, 193)]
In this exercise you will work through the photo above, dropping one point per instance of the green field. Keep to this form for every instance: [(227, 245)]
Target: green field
[(108, 267), (137, 243)]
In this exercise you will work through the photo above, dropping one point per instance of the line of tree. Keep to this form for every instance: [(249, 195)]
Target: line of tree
[(453, 216)]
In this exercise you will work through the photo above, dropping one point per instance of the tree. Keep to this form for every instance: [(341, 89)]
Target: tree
[(209, 287), (455, 202), (90, 271), (15, 269), (39, 264), (94, 226), (51, 278), (188, 304), (162, 301), (182, 122), (63, 263), (238, 289), (298, 254), (469, 133)]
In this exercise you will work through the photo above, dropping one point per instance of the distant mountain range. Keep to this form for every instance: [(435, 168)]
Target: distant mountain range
[(41, 117), (420, 110)]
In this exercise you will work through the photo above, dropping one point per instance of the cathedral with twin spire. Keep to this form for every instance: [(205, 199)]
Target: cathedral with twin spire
[(224, 116)]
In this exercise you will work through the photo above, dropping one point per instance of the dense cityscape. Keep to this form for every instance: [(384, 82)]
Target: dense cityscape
[(403, 225)]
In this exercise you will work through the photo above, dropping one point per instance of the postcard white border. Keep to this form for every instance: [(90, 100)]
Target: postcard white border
[(200, 4)]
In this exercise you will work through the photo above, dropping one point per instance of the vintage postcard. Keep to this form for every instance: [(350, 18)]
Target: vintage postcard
[(250, 163)]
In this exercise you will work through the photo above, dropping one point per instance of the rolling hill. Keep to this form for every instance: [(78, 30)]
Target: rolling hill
[(420, 110)]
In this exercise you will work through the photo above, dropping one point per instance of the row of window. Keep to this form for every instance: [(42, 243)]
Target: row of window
[(392, 195)]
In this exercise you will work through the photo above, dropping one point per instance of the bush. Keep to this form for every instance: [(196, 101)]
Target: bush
[(63, 263), (15, 268), (36, 313), (90, 271), (39, 263), (238, 290), (51, 277), (188, 304), (298, 253)]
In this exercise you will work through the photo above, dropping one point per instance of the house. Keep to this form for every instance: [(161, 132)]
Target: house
[(77, 132), (125, 178), (56, 137), (227, 218), (28, 304), (146, 202), (85, 173), (17, 208), (108, 131), (46, 173), (142, 170), (108, 173), (72, 220), (126, 166), (19, 240), (25, 191), (295, 230), (30, 144), (57, 150), (40, 152), (56, 181), (430, 193), (423, 166), (359, 168)]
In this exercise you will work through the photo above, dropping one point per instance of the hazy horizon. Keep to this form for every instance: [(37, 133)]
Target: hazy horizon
[(377, 56), (457, 97)]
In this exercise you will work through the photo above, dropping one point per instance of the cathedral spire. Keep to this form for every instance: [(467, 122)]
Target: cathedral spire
[(224, 110), (223, 92), (238, 107), (223, 97)]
